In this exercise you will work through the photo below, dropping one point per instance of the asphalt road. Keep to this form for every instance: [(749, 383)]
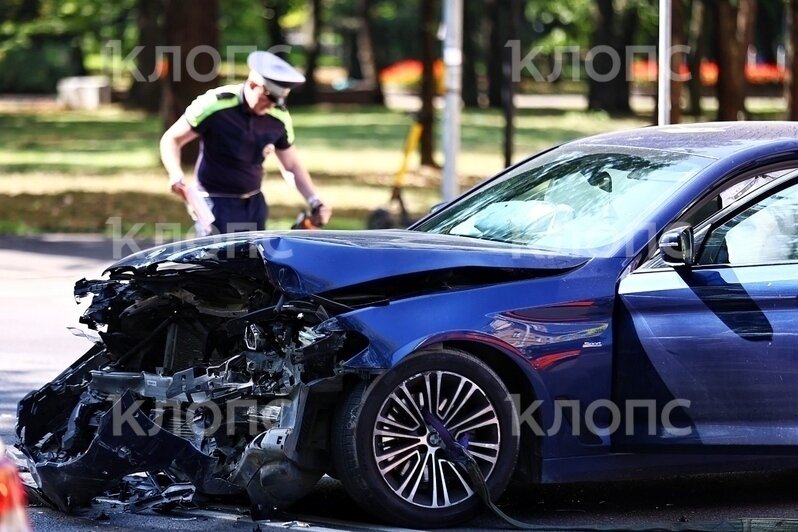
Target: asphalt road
[(36, 308)]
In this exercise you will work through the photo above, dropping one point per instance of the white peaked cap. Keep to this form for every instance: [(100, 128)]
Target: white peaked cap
[(272, 68)]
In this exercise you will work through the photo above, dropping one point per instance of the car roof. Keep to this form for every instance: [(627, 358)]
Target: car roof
[(707, 139)]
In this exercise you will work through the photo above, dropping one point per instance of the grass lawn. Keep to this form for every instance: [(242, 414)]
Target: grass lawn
[(72, 171)]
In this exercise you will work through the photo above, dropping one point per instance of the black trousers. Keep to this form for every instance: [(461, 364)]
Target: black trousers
[(234, 215)]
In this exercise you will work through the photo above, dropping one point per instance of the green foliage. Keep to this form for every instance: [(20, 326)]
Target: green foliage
[(560, 23), (648, 11), (55, 35), (397, 30), (243, 22), (42, 41), (54, 60), (105, 20)]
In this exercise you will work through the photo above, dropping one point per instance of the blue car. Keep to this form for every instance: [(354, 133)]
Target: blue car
[(624, 305)]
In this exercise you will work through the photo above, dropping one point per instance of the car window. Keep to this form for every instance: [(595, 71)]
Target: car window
[(572, 200), (732, 192), (764, 233)]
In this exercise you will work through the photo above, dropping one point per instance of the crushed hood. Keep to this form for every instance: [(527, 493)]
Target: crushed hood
[(322, 261)]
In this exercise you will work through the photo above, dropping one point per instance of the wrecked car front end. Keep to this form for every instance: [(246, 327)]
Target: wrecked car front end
[(201, 373), (238, 365)]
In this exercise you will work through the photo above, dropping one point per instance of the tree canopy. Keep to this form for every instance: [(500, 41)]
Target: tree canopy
[(358, 38)]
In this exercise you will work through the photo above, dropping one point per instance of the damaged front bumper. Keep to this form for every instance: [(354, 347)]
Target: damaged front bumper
[(209, 378)]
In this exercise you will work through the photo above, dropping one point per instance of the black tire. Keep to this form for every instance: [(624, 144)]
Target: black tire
[(363, 440)]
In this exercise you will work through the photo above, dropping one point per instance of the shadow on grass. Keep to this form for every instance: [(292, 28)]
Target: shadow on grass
[(26, 130), (71, 143), (76, 169), (482, 130), (134, 214), (113, 141)]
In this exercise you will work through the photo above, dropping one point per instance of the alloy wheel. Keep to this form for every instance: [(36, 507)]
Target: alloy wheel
[(410, 453)]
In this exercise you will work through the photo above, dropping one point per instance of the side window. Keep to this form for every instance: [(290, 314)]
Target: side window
[(733, 193), (764, 233)]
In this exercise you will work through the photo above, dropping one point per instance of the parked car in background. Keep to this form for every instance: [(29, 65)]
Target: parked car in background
[(619, 306), (13, 501)]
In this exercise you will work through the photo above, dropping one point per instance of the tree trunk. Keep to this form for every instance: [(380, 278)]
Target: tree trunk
[(496, 42), (678, 38), (427, 115), (145, 94), (314, 52), (350, 51), (612, 33), (598, 95), (309, 92), (792, 61), (699, 28), (471, 22), (365, 53), (734, 32), (189, 25), (274, 10)]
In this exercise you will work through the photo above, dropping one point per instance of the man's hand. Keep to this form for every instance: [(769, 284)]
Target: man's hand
[(325, 213), (178, 186), (321, 212), (291, 163)]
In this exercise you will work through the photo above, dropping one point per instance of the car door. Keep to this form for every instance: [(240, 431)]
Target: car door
[(708, 355)]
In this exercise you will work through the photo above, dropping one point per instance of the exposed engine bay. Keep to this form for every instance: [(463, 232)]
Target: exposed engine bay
[(202, 373)]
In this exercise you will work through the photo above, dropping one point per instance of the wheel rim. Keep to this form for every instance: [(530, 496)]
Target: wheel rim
[(408, 452)]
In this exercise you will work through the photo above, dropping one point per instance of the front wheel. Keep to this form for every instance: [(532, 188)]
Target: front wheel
[(392, 459)]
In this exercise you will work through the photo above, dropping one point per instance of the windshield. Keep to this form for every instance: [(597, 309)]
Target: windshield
[(571, 200)]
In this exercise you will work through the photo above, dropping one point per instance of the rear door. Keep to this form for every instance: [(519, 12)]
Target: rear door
[(709, 355)]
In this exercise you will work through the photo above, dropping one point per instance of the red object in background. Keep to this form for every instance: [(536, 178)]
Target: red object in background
[(13, 499), (756, 74), (308, 220), (408, 72), (762, 73)]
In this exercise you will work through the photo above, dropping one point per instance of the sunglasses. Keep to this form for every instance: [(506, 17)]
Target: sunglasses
[(273, 91)]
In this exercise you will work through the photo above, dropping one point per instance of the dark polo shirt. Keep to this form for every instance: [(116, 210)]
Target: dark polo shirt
[(233, 139)]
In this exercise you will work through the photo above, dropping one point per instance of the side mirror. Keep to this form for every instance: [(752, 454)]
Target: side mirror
[(678, 247)]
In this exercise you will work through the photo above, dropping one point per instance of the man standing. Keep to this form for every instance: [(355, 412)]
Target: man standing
[(238, 125)]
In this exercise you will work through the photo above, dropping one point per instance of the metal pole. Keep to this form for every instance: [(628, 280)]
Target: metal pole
[(664, 62), (508, 83), (453, 63)]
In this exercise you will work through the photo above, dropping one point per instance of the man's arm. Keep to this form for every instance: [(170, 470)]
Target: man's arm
[(172, 143), (289, 158)]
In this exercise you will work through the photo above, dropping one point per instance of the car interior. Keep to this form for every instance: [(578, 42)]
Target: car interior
[(766, 232)]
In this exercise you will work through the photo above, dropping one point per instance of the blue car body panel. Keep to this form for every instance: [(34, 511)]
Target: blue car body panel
[(582, 329), (726, 338), (329, 260), (562, 343)]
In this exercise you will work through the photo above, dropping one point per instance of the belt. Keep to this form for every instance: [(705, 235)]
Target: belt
[(235, 196)]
